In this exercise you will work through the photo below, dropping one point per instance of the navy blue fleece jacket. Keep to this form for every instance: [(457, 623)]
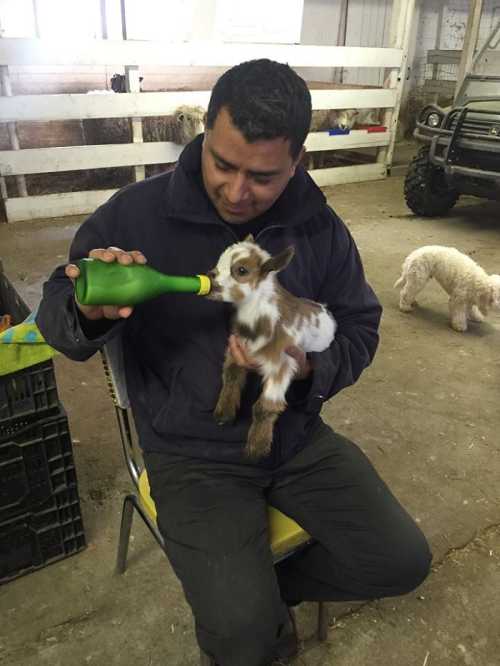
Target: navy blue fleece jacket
[(174, 345)]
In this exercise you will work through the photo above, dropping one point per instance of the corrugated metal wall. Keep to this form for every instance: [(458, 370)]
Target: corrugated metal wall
[(368, 23)]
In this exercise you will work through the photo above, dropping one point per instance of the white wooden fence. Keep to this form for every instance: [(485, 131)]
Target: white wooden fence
[(137, 105)]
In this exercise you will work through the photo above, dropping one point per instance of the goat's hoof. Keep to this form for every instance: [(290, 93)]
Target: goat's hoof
[(223, 422), (223, 417)]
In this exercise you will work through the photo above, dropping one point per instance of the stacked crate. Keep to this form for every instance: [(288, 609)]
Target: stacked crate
[(40, 517)]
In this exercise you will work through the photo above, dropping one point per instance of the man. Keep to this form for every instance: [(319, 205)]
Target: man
[(244, 176)]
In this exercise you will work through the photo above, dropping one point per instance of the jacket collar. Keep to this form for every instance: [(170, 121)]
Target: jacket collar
[(186, 197)]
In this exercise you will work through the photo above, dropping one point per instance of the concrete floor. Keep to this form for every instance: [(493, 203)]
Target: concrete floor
[(426, 413)]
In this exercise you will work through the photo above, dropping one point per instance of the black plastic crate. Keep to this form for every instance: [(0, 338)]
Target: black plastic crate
[(36, 461), (39, 537), (30, 393)]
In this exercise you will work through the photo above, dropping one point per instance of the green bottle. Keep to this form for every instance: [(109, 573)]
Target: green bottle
[(103, 283)]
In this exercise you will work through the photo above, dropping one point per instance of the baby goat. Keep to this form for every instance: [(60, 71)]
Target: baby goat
[(268, 320)]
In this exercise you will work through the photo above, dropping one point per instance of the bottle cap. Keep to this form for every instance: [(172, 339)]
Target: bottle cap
[(205, 285)]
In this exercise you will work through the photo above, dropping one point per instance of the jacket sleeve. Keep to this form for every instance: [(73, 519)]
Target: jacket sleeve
[(58, 318), (357, 312)]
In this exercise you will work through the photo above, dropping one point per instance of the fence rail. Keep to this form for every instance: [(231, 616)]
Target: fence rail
[(204, 54)]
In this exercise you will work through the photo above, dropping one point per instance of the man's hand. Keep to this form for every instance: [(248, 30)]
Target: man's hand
[(240, 354), (244, 360), (304, 366), (109, 255)]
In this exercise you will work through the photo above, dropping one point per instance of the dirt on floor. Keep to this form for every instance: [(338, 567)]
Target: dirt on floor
[(426, 413)]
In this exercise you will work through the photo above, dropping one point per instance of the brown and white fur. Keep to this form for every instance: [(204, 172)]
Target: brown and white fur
[(472, 291), (268, 319)]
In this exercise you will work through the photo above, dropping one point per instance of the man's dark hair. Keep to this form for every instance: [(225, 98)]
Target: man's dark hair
[(265, 100)]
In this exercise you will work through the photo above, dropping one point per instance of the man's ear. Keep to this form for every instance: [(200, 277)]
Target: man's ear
[(278, 262), (297, 161)]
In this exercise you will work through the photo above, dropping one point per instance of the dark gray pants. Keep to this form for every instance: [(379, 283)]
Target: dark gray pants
[(213, 517)]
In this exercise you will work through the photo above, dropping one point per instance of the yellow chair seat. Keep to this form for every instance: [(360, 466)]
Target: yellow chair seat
[(285, 533)]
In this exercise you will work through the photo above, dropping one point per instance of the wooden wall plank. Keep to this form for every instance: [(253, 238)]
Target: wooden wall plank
[(76, 107), (55, 205), (76, 158), (15, 51), (349, 174), (356, 139), (80, 203)]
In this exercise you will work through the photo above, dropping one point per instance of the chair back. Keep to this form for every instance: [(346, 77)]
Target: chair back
[(114, 368), (115, 371)]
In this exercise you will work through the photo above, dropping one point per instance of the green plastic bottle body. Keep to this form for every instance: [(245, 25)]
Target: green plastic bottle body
[(102, 283)]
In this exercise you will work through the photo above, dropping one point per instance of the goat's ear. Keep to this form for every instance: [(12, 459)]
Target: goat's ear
[(278, 262), (249, 239)]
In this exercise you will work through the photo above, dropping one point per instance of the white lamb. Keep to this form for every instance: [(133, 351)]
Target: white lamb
[(472, 291), (268, 319)]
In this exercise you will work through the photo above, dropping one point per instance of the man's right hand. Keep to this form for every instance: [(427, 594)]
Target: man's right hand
[(109, 255)]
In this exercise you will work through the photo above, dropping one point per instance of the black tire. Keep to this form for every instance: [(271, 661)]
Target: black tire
[(426, 190)]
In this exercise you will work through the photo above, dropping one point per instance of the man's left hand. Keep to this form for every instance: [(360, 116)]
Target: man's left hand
[(304, 366), (242, 358)]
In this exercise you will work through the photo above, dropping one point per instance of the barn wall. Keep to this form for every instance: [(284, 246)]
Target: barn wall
[(367, 25)]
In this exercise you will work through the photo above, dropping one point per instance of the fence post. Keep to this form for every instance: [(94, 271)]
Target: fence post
[(470, 41)]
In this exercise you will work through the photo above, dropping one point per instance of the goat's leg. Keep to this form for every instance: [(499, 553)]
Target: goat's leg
[(233, 380), (260, 435), (268, 407)]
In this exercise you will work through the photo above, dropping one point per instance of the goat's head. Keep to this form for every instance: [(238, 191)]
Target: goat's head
[(190, 121), (245, 270)]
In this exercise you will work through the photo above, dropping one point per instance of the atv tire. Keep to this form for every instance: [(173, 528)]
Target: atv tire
[(426, 190)]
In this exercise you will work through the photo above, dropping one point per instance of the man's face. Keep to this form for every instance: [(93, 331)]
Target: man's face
[(243, 179)]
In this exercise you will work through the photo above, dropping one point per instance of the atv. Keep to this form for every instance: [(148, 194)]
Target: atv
[(461, 144)]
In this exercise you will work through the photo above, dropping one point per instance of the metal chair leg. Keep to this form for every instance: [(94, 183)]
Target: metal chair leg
[(205, 660), (322, 621), (125, 526)]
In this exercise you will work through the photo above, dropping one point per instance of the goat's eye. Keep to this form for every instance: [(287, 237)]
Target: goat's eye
[(242, 270)]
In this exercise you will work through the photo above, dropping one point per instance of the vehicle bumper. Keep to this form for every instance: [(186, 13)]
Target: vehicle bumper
[(457, 150)]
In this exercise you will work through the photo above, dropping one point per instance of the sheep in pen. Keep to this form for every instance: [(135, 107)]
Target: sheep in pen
[(181, 127), (344, 119)]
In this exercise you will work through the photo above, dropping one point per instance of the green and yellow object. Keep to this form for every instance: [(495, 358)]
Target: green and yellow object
[(103, 283)]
